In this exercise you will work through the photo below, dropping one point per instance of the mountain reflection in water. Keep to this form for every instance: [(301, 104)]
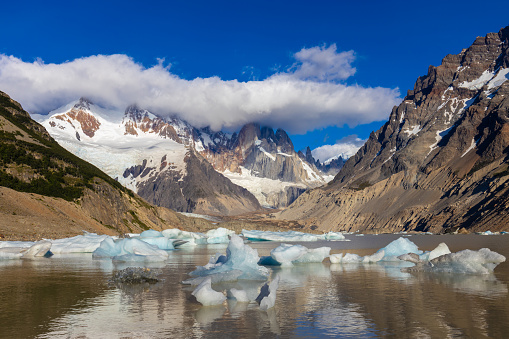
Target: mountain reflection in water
[(69, 296)]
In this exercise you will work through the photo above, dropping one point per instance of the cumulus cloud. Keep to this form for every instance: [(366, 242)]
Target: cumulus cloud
[(323, 64), (345, 147), (305, 97)]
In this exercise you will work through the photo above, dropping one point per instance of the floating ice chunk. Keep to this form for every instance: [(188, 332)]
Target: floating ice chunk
[(314, 255), (162, 243), (268, 261), (336, 258), (399, 247), (279, 236), (86, 243), (129, 250), (206, 295), (191, 238), (333, 236), (376, 257), (239, 295), (8, 250), (285, 253), (240, 263), (39, 249), (483, 261), (350, 258), (267, 297), (151, 234), (219, 236), (441, 249)]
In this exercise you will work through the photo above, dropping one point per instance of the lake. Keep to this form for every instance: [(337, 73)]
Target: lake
[(69, 296)]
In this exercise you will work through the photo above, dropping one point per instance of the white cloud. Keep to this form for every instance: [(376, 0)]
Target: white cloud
[(323, 64), (345, 147), (301, 99)]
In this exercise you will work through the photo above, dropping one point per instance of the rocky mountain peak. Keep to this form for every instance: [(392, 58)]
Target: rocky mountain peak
[(440, 160), (83, 104)]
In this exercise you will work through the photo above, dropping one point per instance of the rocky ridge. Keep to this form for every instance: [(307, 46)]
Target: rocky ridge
[(441, 161), (47, 192), (256, 159)]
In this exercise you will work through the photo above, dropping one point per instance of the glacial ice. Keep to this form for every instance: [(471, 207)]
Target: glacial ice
[(129, 249), (267, 297), (239, 295), (398, 247), (25, 250), (441, 249), (240, 263), (287, 255), (290, 236), (206, 295), (86, 243), (482, 261), (191, 238), (350, 258), (219, 236)]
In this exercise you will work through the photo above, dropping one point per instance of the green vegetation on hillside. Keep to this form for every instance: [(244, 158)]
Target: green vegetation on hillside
[(41, 166)]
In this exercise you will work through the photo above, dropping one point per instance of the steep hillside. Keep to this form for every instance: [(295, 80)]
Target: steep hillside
[(47, 191), (441, 161)]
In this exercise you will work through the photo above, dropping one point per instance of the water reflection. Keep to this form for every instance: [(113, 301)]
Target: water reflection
[(70, 297)]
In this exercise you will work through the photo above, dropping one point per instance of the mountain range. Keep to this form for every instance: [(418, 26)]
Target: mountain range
[(170, 163), (439, 164)]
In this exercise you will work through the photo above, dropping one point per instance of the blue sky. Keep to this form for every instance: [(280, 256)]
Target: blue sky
[(250, 42)]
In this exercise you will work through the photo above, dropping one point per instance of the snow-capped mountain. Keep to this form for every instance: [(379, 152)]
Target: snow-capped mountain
[(152, 156), (440, 161)]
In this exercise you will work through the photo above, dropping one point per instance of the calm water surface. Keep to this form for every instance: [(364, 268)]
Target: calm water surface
[(70, 297)]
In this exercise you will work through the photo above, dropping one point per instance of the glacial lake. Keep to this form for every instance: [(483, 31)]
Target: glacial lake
[(69, 296)]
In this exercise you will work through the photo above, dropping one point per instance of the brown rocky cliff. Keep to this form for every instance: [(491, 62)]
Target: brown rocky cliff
[(440, 162)]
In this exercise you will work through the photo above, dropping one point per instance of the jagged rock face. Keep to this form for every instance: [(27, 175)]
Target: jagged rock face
[(258, 152), (198, 189), (430, 166)]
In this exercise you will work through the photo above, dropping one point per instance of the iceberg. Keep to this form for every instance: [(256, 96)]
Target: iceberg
[(191, 238), (278, 236), (350, 258), (129, 249), (37, 249), (240, 263), (441, 249), (219, 236), (86, 243), (482, 261), (206, 295), (267, 297), (287, 255), (398, 247)]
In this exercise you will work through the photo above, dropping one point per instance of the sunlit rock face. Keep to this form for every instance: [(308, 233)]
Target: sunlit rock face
[(439, 163)]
